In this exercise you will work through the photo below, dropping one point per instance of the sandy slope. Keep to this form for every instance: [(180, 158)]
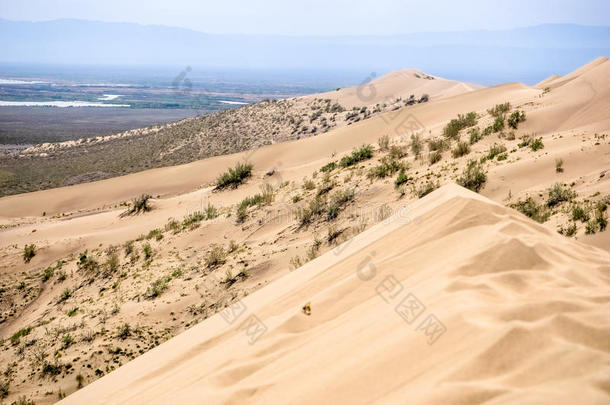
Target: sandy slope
[(524, 306), (525, 312)]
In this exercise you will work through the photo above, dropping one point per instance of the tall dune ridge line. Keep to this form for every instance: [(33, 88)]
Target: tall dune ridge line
[(398, 285), (499, 310)]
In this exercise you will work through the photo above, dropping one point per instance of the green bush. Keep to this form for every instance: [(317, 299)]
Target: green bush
[(558, 194), (139, 205), (532, 209), (495, 150), (233, 177), (462, 148), (416, 145), (307, 214), (438, 144), (216, 256), (498, 124), (473, 177), (147, 250), (19, 334), (386, 167), (454, 126), (384, 142), (559, 165), (157, 287), (475, 135), (515, 118), (365, 152), (499, 110), (401, 179), (329, 167), (537, 144), (434, 157), (337, 201), (29, 251), (579, 214), (425, 189)]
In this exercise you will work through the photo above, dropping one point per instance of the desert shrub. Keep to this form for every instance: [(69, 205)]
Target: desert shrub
[(515, 118), (129, 248), (526, 140), (570, 230), (530, 208), (307, 214), (157, 287), (296, 198), (474, 135), (79, 381), (309, 184), (416, 145), (510, 136), (425, 189), (363, 153), (333, 233), (112, 262), (498, 124), (326, 185), (401, 179), (438, 144), (434, 157), (397, 152), (64, 296), (600, 216), (4, 389), (139, 205), (233, 177), (462, 148), (19, 334), (72, 312), (88, 263), (590, 227), (216, 256), (384, 142), (123, 331), (537, 144), (210, 212), (329, 167), (337, 201), (454, 126), (52, 369), (147, 250), (495, 150), (192, 220), (67, 340), (473, 177), (172, 225), (499, 110), (559, 165), (579, 214), (386, 167), (558, 194), (488, 130), (155, 233), (47, 273), (29, 251)]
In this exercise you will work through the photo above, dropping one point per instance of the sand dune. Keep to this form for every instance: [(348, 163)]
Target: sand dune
[(522, 312), (525, 308), (400, 83)]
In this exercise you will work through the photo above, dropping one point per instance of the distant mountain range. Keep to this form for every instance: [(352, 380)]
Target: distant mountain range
[(487, 57)]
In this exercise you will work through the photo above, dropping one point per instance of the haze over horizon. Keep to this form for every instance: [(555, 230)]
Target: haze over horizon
[(318, 18)]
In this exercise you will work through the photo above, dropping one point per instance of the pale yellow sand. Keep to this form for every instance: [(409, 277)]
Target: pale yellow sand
[(523, 318)]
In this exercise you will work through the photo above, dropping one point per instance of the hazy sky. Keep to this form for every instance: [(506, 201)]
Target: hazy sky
[(318, 17)]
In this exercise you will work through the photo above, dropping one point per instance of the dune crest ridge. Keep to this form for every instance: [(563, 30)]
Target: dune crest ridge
[(520, 315)]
